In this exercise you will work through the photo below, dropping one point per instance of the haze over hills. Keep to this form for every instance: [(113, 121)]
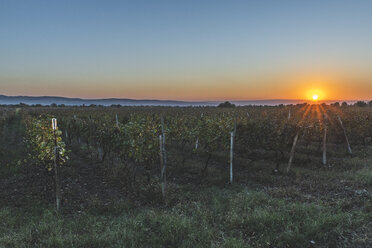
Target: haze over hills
[(47, 100)]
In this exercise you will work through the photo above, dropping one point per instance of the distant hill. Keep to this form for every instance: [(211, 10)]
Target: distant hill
[(47, 100)]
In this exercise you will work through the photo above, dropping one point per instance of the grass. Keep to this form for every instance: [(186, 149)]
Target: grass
[(363, 175), (232, 217), (360, 166)]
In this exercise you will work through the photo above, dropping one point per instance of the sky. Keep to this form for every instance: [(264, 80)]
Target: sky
[(187, 50)]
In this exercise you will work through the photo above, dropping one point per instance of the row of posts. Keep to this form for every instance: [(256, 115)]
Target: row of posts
[(163, 154), (324, 143)]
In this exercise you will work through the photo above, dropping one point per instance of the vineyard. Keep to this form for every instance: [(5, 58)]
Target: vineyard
[(254, 176)]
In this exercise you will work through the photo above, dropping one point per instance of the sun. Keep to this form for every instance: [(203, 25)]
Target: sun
[(315, 95)]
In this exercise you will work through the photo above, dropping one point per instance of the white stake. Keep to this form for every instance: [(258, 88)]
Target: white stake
[(54, 124), (56, 171)]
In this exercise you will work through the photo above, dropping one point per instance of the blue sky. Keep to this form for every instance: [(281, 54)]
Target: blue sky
[(190, 50)]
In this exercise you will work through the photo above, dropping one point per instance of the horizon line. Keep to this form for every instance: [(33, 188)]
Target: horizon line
[(191, 101)]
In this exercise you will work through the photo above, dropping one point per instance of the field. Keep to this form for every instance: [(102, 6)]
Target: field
[(160, 176)]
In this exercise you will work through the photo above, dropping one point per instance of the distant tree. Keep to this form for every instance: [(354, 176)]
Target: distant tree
[(61, 105), (23, 104), (53, 105), (370, 103), (344, 104), (360, 104), (226, 105), (335, 104), (300, 104)]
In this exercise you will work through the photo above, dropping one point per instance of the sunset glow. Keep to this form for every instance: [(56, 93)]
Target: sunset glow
[(315, 97)]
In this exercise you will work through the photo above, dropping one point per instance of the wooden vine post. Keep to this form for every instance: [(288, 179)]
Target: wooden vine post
[(347, 140), (163, 159), (324, 161), (231, 156), (232, 136), (56, 167), (291, 156)]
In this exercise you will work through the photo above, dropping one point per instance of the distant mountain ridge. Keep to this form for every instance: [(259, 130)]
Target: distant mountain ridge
[(47, 100)]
